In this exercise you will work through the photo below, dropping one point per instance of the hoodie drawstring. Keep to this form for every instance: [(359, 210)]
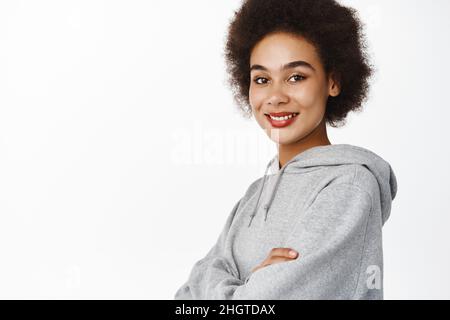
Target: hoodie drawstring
[(267, 206), (260, 192)]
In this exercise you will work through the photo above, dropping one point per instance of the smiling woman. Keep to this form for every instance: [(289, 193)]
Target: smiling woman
[(303, 56), (296, 66)]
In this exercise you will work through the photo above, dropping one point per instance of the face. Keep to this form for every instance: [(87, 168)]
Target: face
[(287, 76)]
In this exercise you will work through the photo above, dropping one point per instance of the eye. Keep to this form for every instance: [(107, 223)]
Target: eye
[(298, 76), (258, 78)]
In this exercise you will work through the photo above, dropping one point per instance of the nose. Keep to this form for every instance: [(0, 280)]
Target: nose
[(277, 96)]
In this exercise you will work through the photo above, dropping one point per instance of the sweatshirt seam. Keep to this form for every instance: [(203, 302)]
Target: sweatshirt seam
[(363, 247), (365, 229), (362, 252)]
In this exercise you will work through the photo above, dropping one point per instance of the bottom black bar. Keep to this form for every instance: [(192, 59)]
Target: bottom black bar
[(216, 309)]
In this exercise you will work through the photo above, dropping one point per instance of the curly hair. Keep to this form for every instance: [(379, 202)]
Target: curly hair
[(334, 30)]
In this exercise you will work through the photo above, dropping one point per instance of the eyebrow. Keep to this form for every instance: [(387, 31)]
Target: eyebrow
[(289, 65)]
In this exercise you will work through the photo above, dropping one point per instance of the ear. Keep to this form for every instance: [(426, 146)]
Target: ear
[(334, 87)]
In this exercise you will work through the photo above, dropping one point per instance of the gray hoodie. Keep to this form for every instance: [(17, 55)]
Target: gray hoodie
[(328, 203)]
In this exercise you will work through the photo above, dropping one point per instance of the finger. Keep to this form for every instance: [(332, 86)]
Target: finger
[(276, 259), (272, 260), (283, 252)]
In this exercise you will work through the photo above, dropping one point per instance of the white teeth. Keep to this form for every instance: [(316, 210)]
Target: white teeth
[(282, 118)]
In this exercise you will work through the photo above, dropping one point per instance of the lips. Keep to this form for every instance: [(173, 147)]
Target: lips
[(282, 123), (281, 114)]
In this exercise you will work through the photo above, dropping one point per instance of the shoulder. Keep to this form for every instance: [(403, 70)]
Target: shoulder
[(353, 180), (353, 174)]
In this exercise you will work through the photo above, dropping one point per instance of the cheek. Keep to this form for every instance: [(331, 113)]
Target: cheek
[(256, 98), (309, 97)]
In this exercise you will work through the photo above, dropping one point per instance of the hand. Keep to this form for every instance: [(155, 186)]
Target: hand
[(277, 255)]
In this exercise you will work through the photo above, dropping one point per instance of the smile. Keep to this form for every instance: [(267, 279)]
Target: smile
[(281, 122)]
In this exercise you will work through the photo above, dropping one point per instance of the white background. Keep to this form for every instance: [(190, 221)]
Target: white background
[(122, 151)]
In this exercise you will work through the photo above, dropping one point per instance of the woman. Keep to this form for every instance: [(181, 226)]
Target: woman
[(297, 65)]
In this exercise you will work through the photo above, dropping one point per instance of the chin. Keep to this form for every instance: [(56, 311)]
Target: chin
[(281, 136)]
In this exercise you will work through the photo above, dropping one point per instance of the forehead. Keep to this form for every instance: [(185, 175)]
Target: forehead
[(277, 49)]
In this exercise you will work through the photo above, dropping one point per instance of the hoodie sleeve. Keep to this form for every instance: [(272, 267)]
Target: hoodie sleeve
[(330, 236), (206, 271)]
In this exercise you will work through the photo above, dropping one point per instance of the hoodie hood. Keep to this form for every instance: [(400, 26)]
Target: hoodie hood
[(332, 155)]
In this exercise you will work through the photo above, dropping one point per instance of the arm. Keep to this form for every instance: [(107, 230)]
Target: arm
[(206, 270), (329, 236)]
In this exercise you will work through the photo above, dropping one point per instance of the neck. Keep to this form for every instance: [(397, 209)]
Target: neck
[(318, 137)]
